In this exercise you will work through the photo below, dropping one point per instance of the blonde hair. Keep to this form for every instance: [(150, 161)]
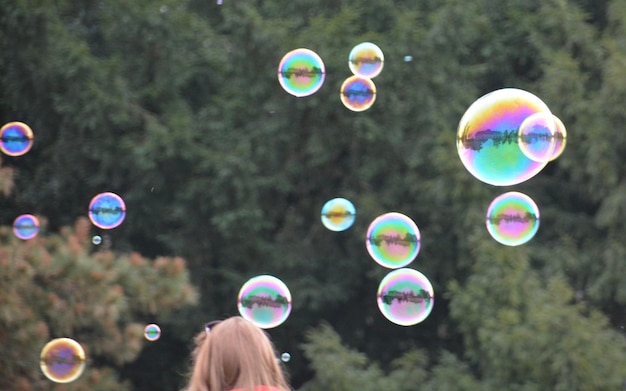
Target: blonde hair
[(235, 354)]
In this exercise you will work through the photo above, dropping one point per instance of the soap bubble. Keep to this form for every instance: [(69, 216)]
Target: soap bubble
[(16, 138), (393, 240), (513, 218), (62, 360), (97, 240), (487, 137), (301, 72), (285, 357), (265, 301), (358, 93), (26, 226), (366, 60), (107, 210), (152, 332), (405, 297), (338, 214), (560, 136), (536, 137)]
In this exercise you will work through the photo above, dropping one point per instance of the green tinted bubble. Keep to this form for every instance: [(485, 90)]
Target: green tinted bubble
[(405, 297), (393, 240)]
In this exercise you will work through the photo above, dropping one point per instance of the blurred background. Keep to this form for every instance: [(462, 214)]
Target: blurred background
[(176, 106)]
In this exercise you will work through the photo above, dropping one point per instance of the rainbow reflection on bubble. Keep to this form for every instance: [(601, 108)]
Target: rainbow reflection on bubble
[(152, 332), (338, 214), (393, 240), (301, 72), (560, 136), (62, 360), (16, 138), (405, 297), (487, 137), (358, 93), (107, 210), (26, 226), (513, 218), (366, 60), (265, 301), (536, 137)]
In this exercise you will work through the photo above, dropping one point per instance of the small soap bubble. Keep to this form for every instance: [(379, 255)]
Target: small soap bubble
[(301, 72), (16, 138), (366, 60), (408, 58), (26, 226), (97, 240), (560, 136), (285, 357), (107, 210), (487, 137), (536, 137), (393, 240), (405, 297), (265, 301), (62, 360), (513, 218), (338, 214), (152, 332), (358, 93)]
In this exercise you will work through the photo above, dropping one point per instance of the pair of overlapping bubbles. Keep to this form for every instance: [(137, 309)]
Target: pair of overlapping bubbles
[(301, 72), (366, 61), (265, 301), (508, 136), (16, 138), (405, 296)]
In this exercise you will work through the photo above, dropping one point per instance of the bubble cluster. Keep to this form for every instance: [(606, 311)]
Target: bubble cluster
[(338, 214), (107, 210), (393, 240), (560, 136), (301, 72), (152, 332), (487, 137), (62, 360), (265, 301), (536, 137), (358, 93), (405, 297), (16, 138), (26, 226), (366, 60), (513, 218)]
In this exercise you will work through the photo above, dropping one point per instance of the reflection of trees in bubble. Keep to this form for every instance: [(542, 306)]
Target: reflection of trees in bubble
[(113, 210), (476, 141), (301, 72), (264, 301), (357, 92), (330, 215), (512, 218), (366, 60), (410, 297), (407, 240), (15, 138), (58, 359)]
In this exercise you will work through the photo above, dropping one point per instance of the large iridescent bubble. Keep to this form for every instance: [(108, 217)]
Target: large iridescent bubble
[(338, 214), (358, 93), (265, 301), (393, 240), (513, 218), (26, 226), (62, 360), (405, 297), (366, 60), (487, 137), (16, 138), (107, 210), (301, 72)]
